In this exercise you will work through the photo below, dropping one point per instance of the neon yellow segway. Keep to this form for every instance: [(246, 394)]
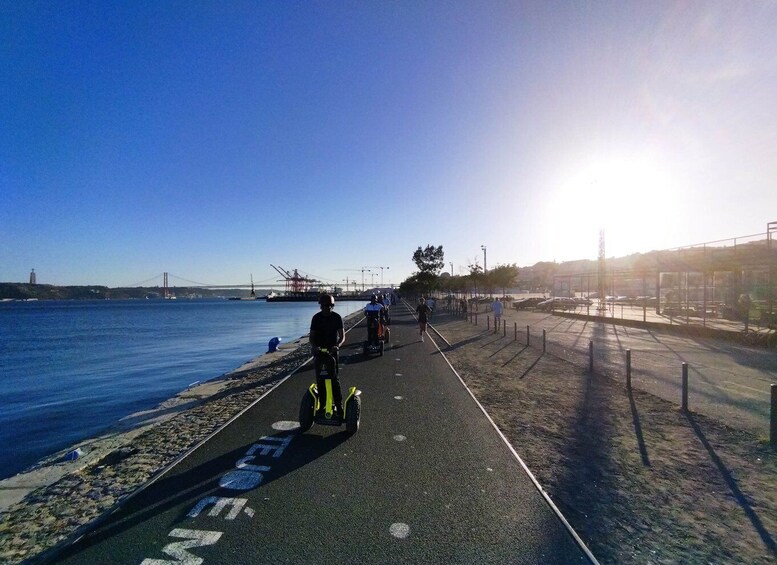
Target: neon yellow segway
[(317, 406)]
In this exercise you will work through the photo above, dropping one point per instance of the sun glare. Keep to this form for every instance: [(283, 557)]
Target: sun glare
[(632, 199)]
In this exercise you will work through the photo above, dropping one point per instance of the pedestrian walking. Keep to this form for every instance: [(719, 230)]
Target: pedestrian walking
[(424, 313)]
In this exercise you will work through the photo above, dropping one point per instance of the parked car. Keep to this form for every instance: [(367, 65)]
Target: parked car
[(583, 301), (531, 302), (557, 303)]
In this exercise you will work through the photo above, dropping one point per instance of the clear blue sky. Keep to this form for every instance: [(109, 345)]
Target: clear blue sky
[(212, 139)]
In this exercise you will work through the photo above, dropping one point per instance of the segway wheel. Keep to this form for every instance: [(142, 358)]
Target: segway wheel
[(306, 412), (352, 414)]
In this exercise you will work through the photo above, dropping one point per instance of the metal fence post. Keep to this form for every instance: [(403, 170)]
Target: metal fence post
[(527, 336), (590, 356), (488, 322), (476, 318), (628, 368), (685, 387), (504, 328), (543, 341), (516, 331), (773, 426)]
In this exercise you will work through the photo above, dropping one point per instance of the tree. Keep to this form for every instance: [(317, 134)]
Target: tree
[(429, 260), (502, 276), (474, 277)]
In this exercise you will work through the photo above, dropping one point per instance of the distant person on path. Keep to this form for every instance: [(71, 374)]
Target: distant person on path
[(498, 308), (327, 332), (383, 299), (744, 304), (424, 313)]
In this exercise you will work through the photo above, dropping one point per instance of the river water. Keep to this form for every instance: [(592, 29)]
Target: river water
[(71, 369)]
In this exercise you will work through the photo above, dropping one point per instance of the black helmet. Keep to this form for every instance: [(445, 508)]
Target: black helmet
[(326, 299), (374, 298)]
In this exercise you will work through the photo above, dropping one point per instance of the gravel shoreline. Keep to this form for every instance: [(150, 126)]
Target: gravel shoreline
[(137, 451)]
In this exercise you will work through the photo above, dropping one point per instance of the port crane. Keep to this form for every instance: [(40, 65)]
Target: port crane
[(296, 284)]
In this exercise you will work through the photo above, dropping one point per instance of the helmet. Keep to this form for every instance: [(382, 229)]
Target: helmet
[(421, 300), (374, 298), (326, 300)]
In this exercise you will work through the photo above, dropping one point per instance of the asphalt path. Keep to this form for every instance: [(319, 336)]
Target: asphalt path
[(427, 479), (726, 380)]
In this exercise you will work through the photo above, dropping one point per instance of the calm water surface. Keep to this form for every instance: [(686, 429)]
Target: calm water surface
[(70, 369)]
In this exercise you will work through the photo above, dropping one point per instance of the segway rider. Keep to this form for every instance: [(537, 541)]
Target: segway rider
[(383, 299), (374, 312), (327, 332)]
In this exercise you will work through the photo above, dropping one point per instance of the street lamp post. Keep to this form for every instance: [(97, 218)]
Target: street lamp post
[(451, 268), (485, 266), (381, 273), (364, 269)]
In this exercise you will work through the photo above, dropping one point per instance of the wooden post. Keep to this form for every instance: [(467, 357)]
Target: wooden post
[(543, 341), (685, 387), (628, 369), (527, 336)]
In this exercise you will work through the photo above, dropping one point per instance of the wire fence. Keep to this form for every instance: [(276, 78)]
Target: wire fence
[(725, 381)]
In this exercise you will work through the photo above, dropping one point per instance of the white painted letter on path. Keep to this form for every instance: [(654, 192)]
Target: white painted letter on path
[(219, 503), (177, 550)]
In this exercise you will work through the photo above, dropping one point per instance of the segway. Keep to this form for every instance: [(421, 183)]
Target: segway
[(377, 335), (317, 407)]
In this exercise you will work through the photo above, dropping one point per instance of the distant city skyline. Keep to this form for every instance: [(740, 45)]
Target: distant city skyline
[(212, 141)]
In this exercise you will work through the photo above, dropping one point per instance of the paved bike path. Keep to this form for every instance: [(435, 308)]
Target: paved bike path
[(427, 479)]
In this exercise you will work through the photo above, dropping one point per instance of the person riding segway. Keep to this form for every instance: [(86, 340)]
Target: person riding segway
[(375, 314), (323, 402)]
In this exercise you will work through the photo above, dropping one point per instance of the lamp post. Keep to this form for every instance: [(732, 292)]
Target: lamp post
[(771, 229), (485, 267), (451, 268), (381, 273), (364, 269)]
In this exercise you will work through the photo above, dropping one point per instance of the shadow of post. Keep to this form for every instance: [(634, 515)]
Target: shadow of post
[(739, 496), (638, 430)]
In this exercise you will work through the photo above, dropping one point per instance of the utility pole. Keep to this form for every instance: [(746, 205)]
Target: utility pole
[(364, 269), (381, 272), (485, 266), (602, 273), (771, 229)]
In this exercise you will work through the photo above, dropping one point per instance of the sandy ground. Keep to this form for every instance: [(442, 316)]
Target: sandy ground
[(638, 479)]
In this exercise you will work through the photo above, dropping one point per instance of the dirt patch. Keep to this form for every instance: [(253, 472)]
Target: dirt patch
[(638, 479)]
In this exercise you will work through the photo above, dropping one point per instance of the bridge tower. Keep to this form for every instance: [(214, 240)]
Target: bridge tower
[(165, 287)]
